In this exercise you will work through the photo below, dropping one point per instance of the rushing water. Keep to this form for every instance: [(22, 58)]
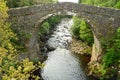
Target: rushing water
[(61, 63)]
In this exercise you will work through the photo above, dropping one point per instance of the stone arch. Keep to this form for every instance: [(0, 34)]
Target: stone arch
[(104, 22), (33, 41), (35, 45)]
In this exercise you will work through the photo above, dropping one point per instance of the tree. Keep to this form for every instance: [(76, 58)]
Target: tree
[(20, 3), (105, 3), (10, 67)]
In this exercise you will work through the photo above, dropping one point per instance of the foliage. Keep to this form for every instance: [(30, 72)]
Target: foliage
[(81, 30), (117, 5), (45, 28), (5, 32), (111, 59), (85, 32), (45, 1), (18, 70), (106, 3), (19, 3), (76, 27), (48, 24), (112, 55), (10, 67), (54, 20)]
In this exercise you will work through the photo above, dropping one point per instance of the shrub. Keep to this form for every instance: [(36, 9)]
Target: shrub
[(49, 24), (110, 58), (81, 30), (76, 27), (44, 28), (10, 67), (85, 32), (105, 3), (112, 55), (20, 3), (117, 5)]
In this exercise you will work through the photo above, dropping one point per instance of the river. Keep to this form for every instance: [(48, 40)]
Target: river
[(61, 64)]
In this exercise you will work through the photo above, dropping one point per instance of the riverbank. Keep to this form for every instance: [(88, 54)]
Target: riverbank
[(82, 51), (77, 46)]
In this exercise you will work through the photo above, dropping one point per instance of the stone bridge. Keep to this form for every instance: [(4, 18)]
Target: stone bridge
[(103, 21)]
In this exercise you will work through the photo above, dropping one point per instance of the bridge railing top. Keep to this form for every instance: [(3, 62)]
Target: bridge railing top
[(27, 10)]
